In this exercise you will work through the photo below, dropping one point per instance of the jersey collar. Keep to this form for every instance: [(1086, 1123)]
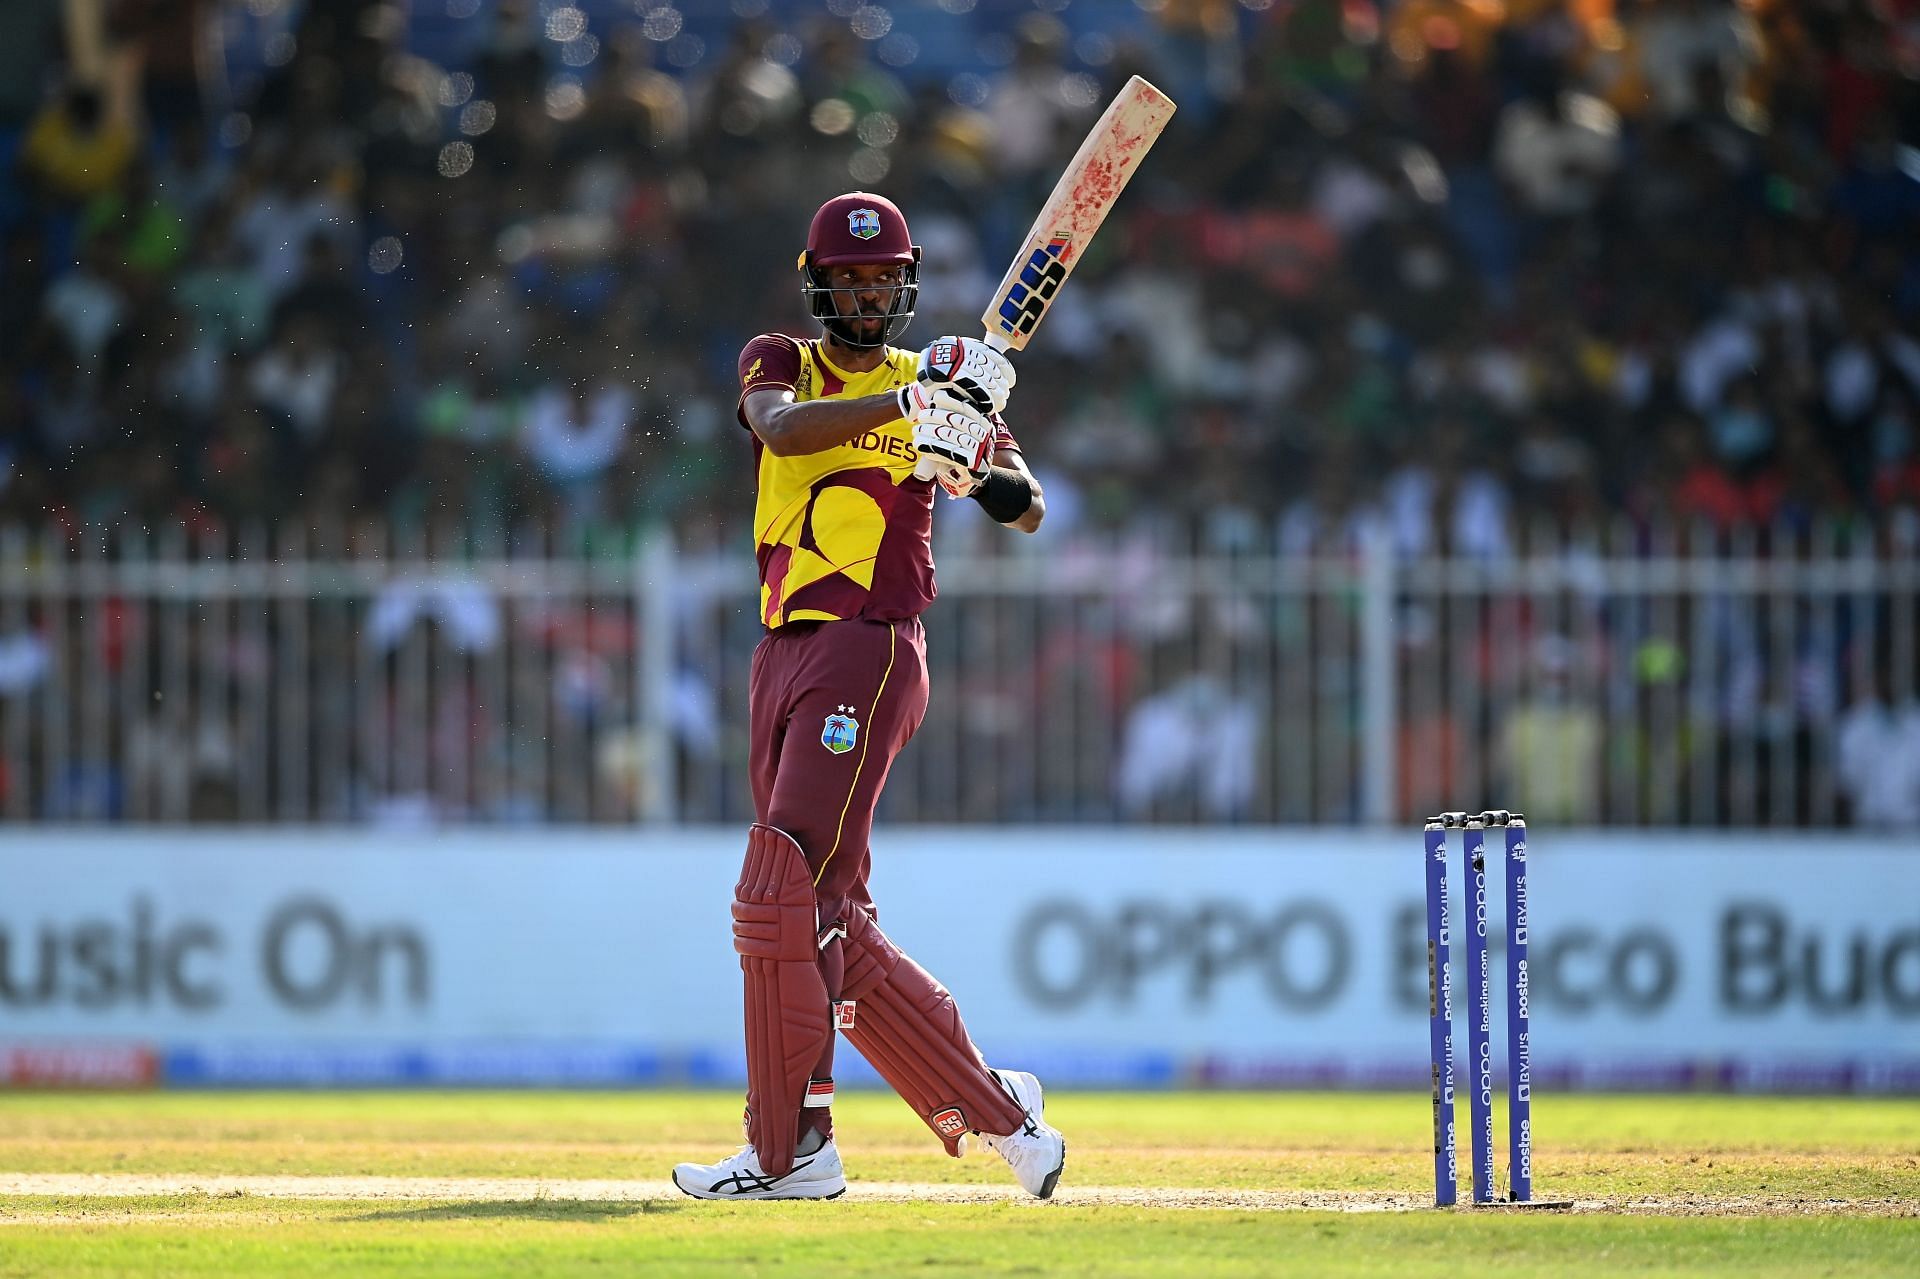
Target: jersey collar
[(820, 353)]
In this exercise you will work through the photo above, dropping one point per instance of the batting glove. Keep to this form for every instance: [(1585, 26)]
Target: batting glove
[(970, 368), (916, 398), (955, 447)]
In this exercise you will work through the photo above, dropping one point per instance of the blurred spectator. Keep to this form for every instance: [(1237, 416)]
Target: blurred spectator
[(1548, 752), (293, 201), (324, 296), (1556, 148), (1418, 29), (23, 663), (189, 174), (148, 230), (1442, 507), (575, 428), (1876, 357), (87, 305), (67, 415), (220, 293), (1032, 102), (171, 35), (238, 471), (466, 615), (296, 377), (1193, 744), (81, 142), (1670, 39), (1878, 766)]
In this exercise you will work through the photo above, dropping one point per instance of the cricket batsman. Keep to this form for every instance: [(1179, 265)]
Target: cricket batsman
[(850, 437)]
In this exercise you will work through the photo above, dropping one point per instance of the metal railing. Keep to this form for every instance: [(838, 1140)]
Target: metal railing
[(1618, 676)]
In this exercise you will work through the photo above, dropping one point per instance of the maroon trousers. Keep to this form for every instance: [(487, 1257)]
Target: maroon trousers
[(831, 704)]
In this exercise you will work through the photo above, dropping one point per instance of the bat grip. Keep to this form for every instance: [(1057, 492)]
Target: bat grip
[(997, 342)]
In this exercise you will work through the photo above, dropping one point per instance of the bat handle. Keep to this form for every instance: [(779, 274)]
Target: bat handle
[(998, 343)]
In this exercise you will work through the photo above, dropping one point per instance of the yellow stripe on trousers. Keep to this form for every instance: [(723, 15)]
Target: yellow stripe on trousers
[(893, 638)]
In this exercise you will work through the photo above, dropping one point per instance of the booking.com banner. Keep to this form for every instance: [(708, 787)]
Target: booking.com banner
[(1146, 957)]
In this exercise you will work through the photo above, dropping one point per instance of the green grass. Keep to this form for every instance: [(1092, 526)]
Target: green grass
[(1741, 1186), (219, 1237)]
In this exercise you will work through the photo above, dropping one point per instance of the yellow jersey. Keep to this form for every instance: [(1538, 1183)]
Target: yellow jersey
[(845, 532)]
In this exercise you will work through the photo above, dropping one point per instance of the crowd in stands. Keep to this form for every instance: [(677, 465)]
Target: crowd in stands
[(1443, 269), (1448, 263)]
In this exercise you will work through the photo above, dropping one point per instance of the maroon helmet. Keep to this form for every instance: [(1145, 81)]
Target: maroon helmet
[(857, 229)]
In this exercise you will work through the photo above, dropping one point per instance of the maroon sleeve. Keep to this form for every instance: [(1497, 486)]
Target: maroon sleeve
[(1002, 435), (772, 359)]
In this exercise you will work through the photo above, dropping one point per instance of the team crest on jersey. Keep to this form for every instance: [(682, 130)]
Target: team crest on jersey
[(863, 223), (840, 731)]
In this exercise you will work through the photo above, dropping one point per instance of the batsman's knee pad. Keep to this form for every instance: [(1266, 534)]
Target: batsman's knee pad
[(908, 1028), (787, 1015)]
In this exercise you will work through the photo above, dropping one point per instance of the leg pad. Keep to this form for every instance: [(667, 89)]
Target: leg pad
[(908, 1028), (788, 1024)]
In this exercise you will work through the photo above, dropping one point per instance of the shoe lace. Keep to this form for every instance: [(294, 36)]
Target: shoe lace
[(1029, 1126)]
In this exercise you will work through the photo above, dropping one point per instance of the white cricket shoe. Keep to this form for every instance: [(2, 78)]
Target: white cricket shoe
[(1037, 1152), (739, 1176)]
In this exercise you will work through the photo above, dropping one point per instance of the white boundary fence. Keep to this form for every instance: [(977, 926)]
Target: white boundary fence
[(1608, 677)]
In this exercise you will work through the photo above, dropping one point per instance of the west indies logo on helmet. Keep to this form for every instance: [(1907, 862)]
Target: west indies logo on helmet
[(859, 229)]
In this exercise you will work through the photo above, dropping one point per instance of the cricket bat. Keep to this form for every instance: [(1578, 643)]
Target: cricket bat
[(1078, 205), (1080, 202)]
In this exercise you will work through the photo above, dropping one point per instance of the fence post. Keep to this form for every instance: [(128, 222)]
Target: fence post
[(655, 596), (1378, 690)]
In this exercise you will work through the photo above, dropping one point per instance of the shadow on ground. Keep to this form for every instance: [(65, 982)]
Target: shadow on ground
[(526, 1210)]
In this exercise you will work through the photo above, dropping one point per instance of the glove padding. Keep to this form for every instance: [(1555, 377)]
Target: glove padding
[(916, 398), (969, 368), (955, 444)]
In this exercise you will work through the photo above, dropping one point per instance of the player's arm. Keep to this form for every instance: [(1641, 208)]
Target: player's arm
[(791, 429), (1010, 494)]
